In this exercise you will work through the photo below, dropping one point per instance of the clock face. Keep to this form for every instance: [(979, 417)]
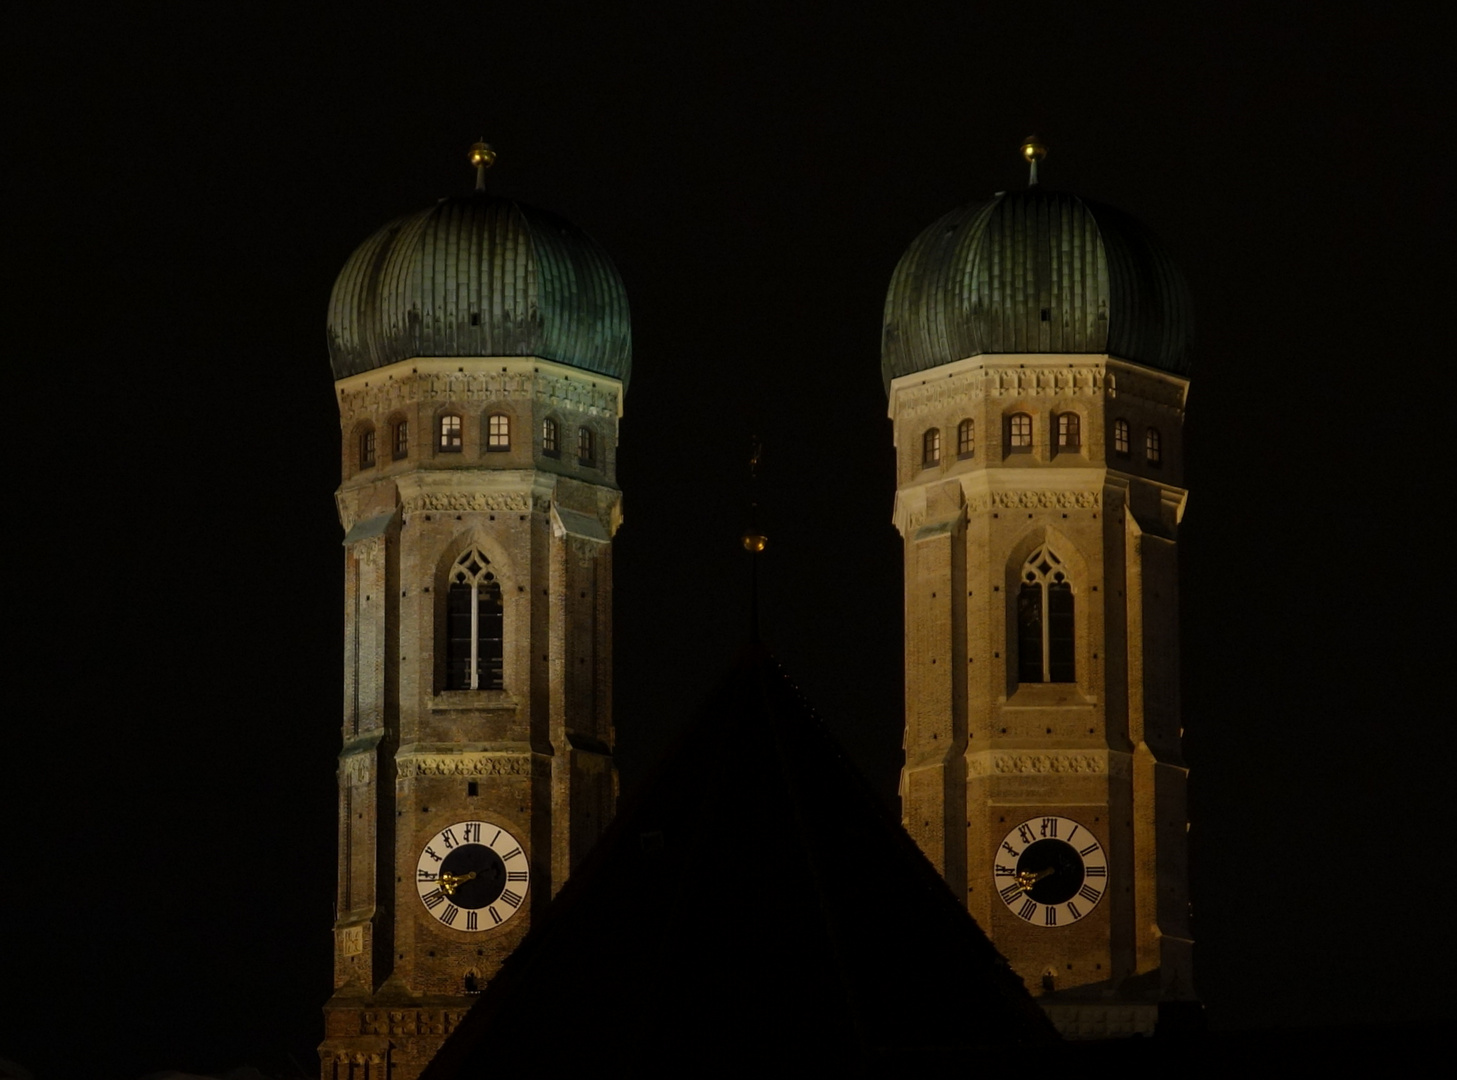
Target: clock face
[(1050, 871), (472, 876)]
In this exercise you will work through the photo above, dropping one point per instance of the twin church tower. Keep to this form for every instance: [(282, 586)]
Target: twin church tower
[(1035, 353)]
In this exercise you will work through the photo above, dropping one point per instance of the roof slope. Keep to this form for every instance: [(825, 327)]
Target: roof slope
[(756, 900)]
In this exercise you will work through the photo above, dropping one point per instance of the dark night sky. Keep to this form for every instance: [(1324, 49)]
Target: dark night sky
[(187, 180)]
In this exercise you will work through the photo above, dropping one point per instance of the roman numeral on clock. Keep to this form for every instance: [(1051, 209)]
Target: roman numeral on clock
[(1051, 918), (1090, 894), (1096, 871), (473, 831), (1010, 893), (470, 921), (448, 836), (1085, 852), (515, 875), (511, 854), (1028, 910), (495, 918), (1049, 827), (433, 899), (1072, 909), (511, 898), (448, 915), (1005, 871)]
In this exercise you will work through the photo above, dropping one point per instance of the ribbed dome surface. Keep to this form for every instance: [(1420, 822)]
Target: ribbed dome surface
[(1035, 272), (480, 276)]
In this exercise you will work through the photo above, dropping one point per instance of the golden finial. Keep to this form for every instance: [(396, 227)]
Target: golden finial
[(754, 541), (482, 157), (1034, 150)]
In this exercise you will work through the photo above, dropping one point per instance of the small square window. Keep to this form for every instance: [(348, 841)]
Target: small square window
[(498, 433), (931, 448), (1019, 431), (1120, 437), (1069, 431), (450, 440)]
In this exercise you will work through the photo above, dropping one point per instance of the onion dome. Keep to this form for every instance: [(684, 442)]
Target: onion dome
[(480, 276), (1035, 271)]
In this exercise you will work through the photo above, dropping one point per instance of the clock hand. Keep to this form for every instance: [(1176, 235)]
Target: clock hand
[(450, 882), (1026, 879)]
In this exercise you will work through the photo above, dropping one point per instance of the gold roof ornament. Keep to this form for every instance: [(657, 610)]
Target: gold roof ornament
[(1034, 150), (482, 157)]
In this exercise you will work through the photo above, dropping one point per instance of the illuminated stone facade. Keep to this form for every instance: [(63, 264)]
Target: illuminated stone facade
[(1039, 497), (529, 749)]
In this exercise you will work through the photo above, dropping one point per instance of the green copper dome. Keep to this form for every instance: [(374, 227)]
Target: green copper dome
[(480, 276), (1035, 272)]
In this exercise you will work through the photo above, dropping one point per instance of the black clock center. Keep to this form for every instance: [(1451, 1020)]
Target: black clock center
[(489, 880), (1058, 869)]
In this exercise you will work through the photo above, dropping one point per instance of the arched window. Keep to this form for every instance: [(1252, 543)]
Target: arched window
[(498, 433), (1045, 626), (931, 448), (1152, 447), (586, 447), (450, 440), (1069, 431), (473, 625), (1019, 431), (966, 438), (550, 441), (1120, 437), (401, 439), (366, 448)]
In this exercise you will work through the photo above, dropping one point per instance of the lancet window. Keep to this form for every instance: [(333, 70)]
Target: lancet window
[(1046, 629), (401, 439), (586, 447), (474, 626), (366, 448)]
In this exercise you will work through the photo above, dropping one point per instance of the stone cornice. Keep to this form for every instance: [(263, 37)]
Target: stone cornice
[(1004, 376), (477, 380), (464, 763)]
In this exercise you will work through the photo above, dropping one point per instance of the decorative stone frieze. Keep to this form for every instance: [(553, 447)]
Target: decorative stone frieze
[(458, 501), (463, 764)]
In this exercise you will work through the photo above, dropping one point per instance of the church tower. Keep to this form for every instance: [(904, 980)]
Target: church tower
[(1036, 354), (481, 351)]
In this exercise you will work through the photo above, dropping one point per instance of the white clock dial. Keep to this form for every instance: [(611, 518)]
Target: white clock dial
[(473, 876), (1050, 871)]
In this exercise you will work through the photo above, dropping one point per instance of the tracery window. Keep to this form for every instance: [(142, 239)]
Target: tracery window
[(1120, 437), (1069, 431), (931, 447), (1019, 431), (550, 445), (366, 448), (498, 433), (401, 439), (586, 447), (1152, 447), (450, 440), (1045, 625), (966, 438), (474, 653)]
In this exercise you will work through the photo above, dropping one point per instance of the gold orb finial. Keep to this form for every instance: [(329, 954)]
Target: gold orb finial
[(482, 157), (754, 541), (1034, 150)]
